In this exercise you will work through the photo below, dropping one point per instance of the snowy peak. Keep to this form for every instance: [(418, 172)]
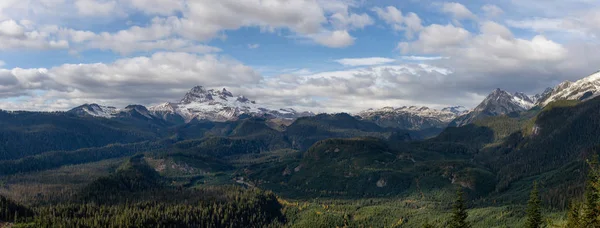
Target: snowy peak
[(199, 94), (500, 102), (583, 89), (95, 110), (542, 95), (412, 117), (218, 105), (457, 110)]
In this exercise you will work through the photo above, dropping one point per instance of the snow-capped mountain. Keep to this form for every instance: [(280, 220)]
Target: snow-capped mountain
[(199, 103), (218, 105), (95, 110), (499, 102), (582, 89), (458, 110), (413, 117)]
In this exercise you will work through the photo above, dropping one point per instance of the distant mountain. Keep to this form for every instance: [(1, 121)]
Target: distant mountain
[(583, 89), (499, 102), (413, 117), (199, 103), (94, 110)]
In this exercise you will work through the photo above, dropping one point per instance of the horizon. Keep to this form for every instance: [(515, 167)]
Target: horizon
[(332, 56)]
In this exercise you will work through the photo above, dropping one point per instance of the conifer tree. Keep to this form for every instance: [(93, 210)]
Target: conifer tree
[(573, 217), (534, 214), (590, 209), (459, 212)]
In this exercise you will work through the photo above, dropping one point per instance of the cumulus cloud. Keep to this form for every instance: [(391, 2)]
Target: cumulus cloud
[(144, 80), (365, 61), (160, 7), (21, 34), (167, 76), (436, 37), (360, 88), (493, 57), (335, 39), (458, 11), (410, 23), (181, 25), (352, 21), (491, 10), (95, 8)]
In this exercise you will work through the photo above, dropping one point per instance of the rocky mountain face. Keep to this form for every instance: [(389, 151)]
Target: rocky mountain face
[(499, 102), (199, 103), (413, 117), (583, 89)]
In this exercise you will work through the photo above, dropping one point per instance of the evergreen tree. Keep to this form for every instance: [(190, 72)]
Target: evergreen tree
[(590, 209), (573, 218), (534, 214), (459, 212)]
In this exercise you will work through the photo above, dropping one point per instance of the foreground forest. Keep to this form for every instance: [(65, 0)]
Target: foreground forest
[(322, 171)]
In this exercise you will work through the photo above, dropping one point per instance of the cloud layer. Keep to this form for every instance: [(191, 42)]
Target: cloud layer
[(443, 54)]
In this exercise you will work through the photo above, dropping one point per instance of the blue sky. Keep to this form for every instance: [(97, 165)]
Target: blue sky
[(318, 55)]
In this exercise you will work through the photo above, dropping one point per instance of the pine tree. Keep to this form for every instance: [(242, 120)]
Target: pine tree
[(534, 214), (590, 209), (573, 218), (459, 212)]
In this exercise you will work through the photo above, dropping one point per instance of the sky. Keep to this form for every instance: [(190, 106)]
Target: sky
[(313, 55)]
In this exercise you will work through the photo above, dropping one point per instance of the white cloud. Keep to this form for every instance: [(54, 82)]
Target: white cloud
[(352, 21), (160, 7), (585, 25), (22, 34), (10, 28), (491, 10), (411, 23), (253, 46), (96, 8), (335, 39), (147, 80), (2, 63), (357, 89), (458, 11), (365, 61), (187, 25), (391, 15), (493, 28), (423, 58), (436, 37)]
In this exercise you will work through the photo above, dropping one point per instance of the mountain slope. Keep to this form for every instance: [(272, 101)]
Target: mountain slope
[(30, 133)]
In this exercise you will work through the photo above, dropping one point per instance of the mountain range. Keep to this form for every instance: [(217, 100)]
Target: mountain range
[(221, 105), (198, 104), (211, 140)]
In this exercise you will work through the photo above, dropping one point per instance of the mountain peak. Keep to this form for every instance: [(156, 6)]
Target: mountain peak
[(498, 102), (219, 105), (582, 89), (94, 110)]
